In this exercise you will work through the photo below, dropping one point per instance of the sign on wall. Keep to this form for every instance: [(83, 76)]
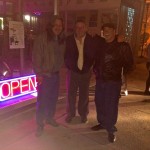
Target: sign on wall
[(16, 35)]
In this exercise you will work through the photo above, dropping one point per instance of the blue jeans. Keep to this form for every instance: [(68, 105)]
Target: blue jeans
[(106, 100), (47, 99)]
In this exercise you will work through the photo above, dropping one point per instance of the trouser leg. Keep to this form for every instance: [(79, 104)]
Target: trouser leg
[(106, 100), (72, 86), (47, 99), (41, 103), (53, 96), (84, 81), (112, 92), (100, 101)]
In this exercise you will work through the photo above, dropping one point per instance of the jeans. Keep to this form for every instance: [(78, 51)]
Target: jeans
[(47, 99), (106, 100)]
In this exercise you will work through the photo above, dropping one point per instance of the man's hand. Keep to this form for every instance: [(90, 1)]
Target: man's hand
[(120, 38), (39, 80)]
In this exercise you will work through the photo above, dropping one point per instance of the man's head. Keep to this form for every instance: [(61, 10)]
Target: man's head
[(80, 28), (109, 32), (55, 25)]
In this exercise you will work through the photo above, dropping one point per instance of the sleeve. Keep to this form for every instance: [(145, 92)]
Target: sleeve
[(68, 53), (37, 56), (128, 61), (98, 54)]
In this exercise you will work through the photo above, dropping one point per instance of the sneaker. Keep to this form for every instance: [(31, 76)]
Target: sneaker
[(126, 92), (111, 137), (39, 131), (52, 122), (97, 127), (68, 119), (84, 120)]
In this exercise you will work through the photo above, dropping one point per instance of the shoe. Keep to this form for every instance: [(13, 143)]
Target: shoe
[(68, 119), (115, 129), (39, 131), (84, 120), (120, 96), (146, 92), (126, 92), (97, 127), (52, 122), (111, 137)]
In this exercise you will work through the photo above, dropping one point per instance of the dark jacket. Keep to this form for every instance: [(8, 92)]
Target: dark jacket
[(111, 58), (71, 54)]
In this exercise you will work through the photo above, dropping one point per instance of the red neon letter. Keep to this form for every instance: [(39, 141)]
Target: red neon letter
[(24, 85), (14, 87), (5, 90), (32, 83)]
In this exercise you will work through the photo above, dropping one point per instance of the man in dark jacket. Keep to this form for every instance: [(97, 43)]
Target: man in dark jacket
[(79, 59), (112, 56)]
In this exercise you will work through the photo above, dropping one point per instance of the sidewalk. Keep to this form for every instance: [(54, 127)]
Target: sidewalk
[(18, 131)]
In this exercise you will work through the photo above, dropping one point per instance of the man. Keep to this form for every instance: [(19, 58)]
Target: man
[(112, 56), (147, 85), (48, 57), (79, 58)]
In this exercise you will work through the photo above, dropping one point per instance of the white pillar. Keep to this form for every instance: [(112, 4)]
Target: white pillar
[(66, 17), (55, 7), (20, 18)]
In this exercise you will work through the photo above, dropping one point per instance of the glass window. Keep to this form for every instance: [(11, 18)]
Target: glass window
[(103, 0), (1, 7), (60, 2), (91, 1), (9, 8), (79, 1)]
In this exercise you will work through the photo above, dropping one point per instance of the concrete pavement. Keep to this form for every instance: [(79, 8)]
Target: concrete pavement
[(17, 130)]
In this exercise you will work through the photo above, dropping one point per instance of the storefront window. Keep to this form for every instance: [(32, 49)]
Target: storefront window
[(1, 7)]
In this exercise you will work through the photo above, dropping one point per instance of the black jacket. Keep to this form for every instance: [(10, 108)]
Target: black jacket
[(111, 58), (71, 54)]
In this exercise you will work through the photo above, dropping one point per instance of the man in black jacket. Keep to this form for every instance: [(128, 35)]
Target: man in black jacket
[(112, 56), (79, 59)]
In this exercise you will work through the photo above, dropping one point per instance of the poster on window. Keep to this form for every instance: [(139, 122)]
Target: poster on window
[(93, 18), (16, 35), (109, 17)]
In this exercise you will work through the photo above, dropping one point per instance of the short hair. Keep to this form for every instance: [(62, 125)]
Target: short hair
[(80, 21), (109, 25)]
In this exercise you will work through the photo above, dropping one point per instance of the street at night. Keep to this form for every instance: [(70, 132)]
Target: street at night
[(18, 127), (43, 42)]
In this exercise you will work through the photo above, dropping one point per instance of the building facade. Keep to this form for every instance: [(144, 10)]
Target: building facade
[(127, 15)]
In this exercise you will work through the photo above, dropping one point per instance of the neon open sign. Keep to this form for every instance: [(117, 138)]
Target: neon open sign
[(17, 87)]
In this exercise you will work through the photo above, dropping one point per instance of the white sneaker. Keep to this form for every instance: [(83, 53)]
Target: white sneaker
[(126, 92)]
